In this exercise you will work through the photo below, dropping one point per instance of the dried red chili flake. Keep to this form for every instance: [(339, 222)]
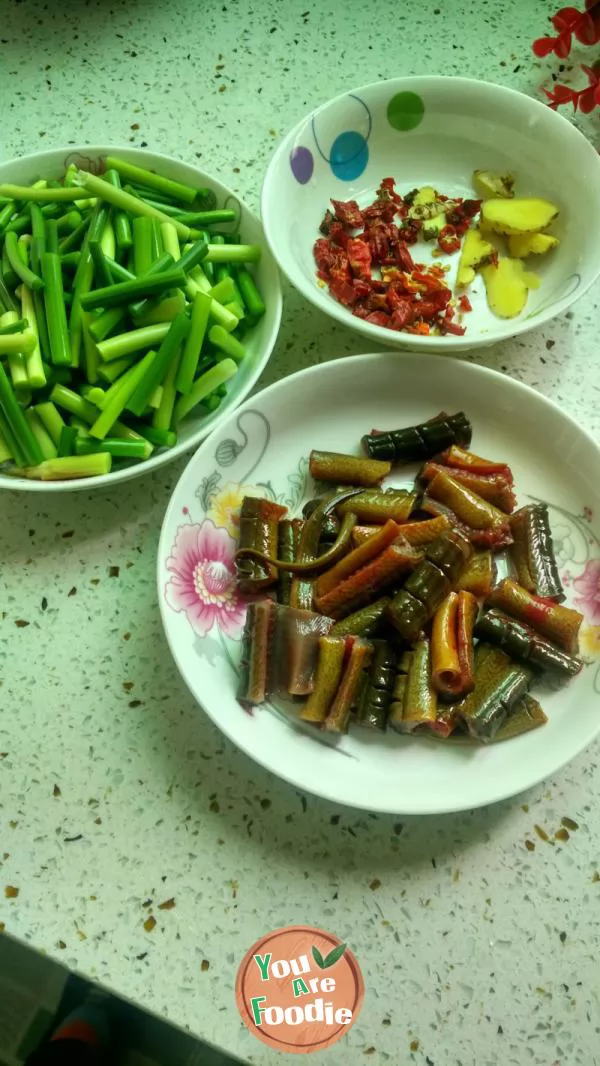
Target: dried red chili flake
[(343, 291), (448, 240), (410, 231), (441, 298), (377, 301), (359, 257), (361, 288), (404, 257), (430, 283), (348, 212), (465, 303), (373, 211), (469, 208), (397, 298), (392, 232), (428, 309), (387, 191), (325, 226), (379, 285), (378, 243), (338, 234), (408, 286), (378, 318), (452, 327), (403, 314), (322, 253), (462, 214), (386, 210), (439, 274), (339, 266)]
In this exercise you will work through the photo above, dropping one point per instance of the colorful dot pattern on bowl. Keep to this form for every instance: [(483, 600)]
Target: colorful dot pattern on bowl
[(302, 164), (405, 111), (349, 154)]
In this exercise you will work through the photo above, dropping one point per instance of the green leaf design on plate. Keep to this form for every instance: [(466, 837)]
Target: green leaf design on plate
[(207, 489), (269, 490), (297, 484), (316, 954), (332, 958)]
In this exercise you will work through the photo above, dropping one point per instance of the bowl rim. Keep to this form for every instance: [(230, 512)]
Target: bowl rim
[(379, 334), (155, 462)]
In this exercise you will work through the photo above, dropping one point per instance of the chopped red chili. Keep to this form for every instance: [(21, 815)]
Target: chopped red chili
[(348, 212), (343, 291), (452, 327), (403, 314), (338, 235), (361, 288), (325, 226), (359, 256), (363, 256), (378, 318), (449, 239)]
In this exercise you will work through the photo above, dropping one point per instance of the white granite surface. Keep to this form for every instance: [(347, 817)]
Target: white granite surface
[(116, 793)]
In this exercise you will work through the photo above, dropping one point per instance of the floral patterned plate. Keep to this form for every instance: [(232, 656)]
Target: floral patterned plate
[(262, 449)]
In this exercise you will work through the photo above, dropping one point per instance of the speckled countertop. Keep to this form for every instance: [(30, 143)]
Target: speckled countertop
[(477, 937)]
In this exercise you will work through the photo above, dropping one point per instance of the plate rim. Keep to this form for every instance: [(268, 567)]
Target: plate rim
[(421, 359)]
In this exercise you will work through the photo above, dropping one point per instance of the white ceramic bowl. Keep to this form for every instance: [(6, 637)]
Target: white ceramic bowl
[(259, 342), (436, 131)]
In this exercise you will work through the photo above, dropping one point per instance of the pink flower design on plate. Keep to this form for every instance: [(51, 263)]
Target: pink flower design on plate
[(203, 584), (587, 586)]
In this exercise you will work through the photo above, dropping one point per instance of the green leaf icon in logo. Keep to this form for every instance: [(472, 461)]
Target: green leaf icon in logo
[(329, 960), (316, 954), (334, 955)]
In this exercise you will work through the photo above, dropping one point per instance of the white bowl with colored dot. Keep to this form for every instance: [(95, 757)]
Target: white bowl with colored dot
[(436, 131), (259, 342)]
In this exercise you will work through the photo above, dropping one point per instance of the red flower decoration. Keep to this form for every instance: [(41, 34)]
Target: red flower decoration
[(561, 46), (561, 94), (566, 19), (587, 30), (585, 27)]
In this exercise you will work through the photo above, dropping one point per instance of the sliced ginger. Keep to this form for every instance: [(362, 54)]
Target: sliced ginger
[(518, 216), (488, 184), (531, 244), (507, 285), (486, 230), (476, 251)]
